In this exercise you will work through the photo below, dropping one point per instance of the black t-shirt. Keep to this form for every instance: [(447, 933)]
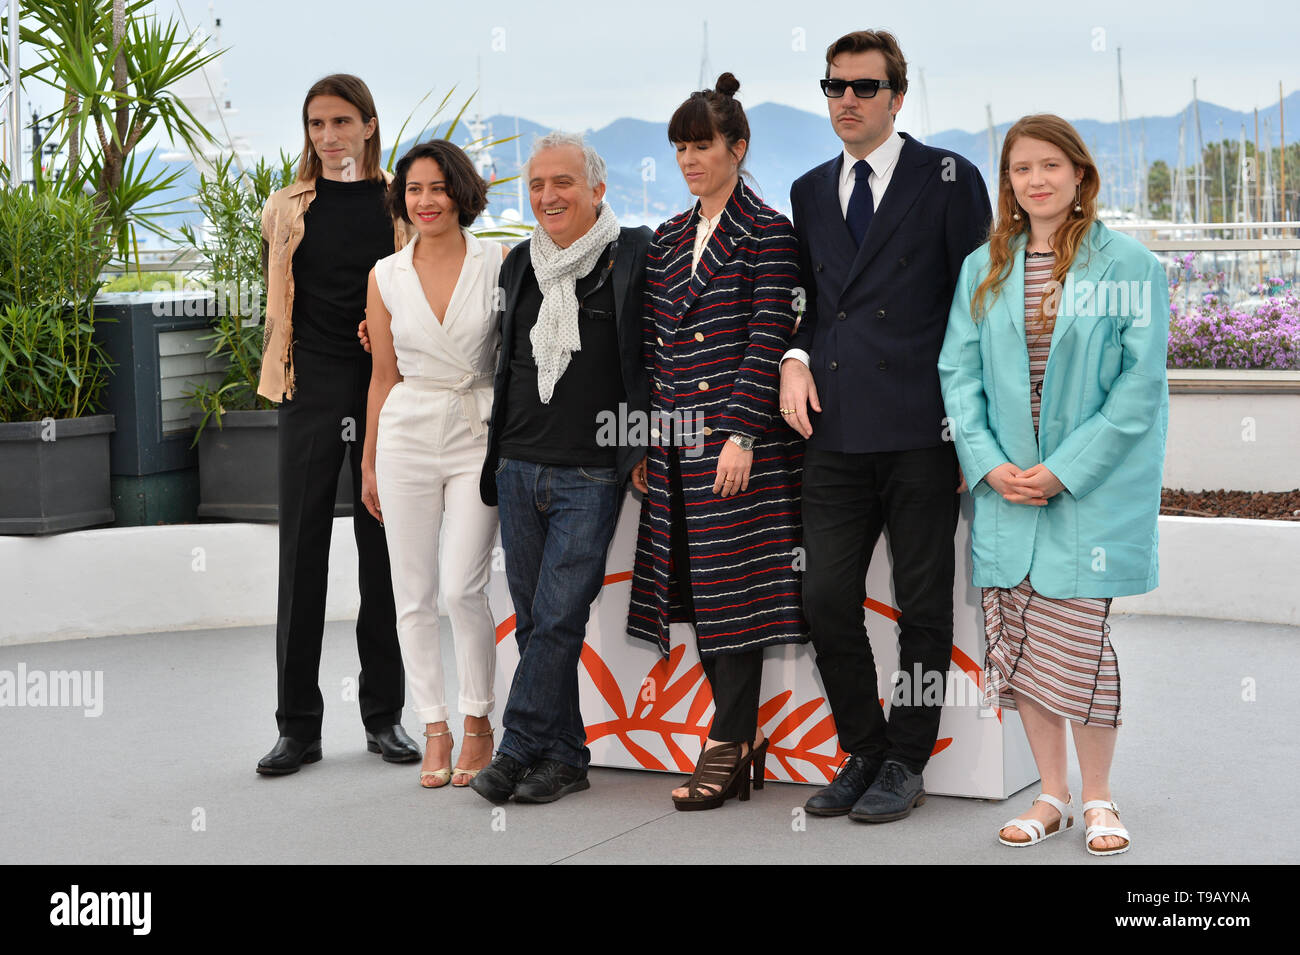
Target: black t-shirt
[(564, 431), (345, 232)]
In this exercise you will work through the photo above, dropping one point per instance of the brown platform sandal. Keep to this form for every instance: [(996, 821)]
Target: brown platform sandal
[(724, 767), (471, 773)]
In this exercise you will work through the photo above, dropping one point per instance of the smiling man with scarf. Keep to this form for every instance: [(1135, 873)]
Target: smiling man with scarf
[(570, 357)]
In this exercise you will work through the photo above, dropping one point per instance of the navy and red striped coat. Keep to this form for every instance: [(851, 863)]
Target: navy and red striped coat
[(713, 347)]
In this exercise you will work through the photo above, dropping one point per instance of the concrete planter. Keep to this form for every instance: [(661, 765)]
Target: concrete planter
[(1224, 569), (239, 476), (199, 576), (1233, 430), (54, 475)]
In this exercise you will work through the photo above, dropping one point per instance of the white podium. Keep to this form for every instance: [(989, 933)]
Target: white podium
[(645, 712)]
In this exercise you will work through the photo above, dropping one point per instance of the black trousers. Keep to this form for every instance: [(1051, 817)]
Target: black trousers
[(735, 678), (326, 420), (847, 500)]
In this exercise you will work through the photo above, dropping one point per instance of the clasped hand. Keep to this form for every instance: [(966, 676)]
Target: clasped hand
[(1034, 486)]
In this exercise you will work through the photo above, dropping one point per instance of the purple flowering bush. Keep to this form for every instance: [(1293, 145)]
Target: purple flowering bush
[(1206, 332)]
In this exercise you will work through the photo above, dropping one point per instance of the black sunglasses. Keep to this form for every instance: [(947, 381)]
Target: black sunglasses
[(862, 89)]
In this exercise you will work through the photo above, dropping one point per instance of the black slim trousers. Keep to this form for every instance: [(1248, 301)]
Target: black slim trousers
[(847, 500), (735, 678), (325, 420)]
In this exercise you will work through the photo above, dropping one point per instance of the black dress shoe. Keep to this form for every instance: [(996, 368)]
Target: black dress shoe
[(895, 793), (551, 780), (287, 755), (393, 743), (855, 775), (497, 783)]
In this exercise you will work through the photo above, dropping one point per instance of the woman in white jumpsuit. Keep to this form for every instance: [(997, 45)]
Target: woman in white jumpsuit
[(434, 336)]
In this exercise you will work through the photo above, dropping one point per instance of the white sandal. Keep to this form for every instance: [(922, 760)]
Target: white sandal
[(1094, 832), (1036, 831)]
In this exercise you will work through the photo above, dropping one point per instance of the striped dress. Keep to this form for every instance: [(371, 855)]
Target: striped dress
[(714, 337), (1055, 651)]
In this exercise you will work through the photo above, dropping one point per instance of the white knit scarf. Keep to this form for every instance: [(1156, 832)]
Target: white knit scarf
[(555, 336)]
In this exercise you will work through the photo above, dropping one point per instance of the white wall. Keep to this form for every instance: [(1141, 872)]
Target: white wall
[(191, 576)]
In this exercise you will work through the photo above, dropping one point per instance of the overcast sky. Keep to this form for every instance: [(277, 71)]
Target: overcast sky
[(579, 64)]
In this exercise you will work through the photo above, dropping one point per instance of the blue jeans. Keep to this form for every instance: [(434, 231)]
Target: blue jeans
[(556, 527)]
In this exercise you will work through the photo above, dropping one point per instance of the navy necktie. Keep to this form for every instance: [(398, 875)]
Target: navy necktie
[(862, 205)]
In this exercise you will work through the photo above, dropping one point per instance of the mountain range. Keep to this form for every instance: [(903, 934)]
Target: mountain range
[(644, 184)]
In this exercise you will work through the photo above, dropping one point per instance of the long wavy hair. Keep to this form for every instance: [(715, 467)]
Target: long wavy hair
[(1006, 229), (352, 89)]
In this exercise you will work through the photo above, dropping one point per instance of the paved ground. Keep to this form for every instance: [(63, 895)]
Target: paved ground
[(165, 774)]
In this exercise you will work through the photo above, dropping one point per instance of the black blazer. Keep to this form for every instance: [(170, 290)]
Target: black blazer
[(875, 316), (629, 288)]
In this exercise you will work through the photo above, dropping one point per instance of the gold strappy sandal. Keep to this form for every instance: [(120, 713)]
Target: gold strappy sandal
[(440, 777), (471, 773)]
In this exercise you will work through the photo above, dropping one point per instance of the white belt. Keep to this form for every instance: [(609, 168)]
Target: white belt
[(463, 386)]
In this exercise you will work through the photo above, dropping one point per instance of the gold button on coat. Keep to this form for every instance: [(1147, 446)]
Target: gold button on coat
[(699, 336), (704, 386)]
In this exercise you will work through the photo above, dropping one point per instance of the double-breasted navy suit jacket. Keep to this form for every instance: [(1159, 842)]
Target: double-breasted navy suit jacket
[(875, 315)]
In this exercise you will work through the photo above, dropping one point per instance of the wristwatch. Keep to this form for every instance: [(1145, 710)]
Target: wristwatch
[(744, 442)]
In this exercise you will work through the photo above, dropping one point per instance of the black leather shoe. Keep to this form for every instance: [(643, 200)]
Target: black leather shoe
[(855, 775), (287, 755), (393, 743), (895, 793), (551, 780), (497, 783)]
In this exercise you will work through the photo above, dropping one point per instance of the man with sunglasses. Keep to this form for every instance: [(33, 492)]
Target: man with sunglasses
[(883, 229)]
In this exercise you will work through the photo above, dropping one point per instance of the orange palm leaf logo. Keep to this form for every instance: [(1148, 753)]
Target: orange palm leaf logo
[(795, 739)]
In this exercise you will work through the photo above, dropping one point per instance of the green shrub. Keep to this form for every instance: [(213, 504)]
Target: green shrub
[(50, 365), (231, 241)]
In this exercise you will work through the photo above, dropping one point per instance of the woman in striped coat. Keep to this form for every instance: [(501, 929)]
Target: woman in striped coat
[(720, 525)]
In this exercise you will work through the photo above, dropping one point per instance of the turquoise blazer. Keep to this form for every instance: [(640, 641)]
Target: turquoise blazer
[(1103, 417)]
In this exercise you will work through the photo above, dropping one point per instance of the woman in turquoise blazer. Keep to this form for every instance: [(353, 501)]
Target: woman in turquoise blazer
[(1053, 376)]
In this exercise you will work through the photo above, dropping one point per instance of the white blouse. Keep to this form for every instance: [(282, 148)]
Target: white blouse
[(460, 352), (703, 229)]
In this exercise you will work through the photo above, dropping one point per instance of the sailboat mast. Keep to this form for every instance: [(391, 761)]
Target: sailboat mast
[(1281, 120), (1200, 152), (705, 83), (519, 173), (1123, 132), (1223, 174), (995, 174)]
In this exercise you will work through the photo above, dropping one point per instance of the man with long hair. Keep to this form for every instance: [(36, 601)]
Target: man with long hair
[(322, 234)]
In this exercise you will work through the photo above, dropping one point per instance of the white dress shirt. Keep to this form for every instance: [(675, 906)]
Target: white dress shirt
[(882, 160)]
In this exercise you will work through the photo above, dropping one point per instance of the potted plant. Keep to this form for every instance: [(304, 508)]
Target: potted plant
[(114, 68), (53, 444)]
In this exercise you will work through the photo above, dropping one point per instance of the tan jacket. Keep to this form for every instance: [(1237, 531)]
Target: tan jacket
[(282, 229)]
